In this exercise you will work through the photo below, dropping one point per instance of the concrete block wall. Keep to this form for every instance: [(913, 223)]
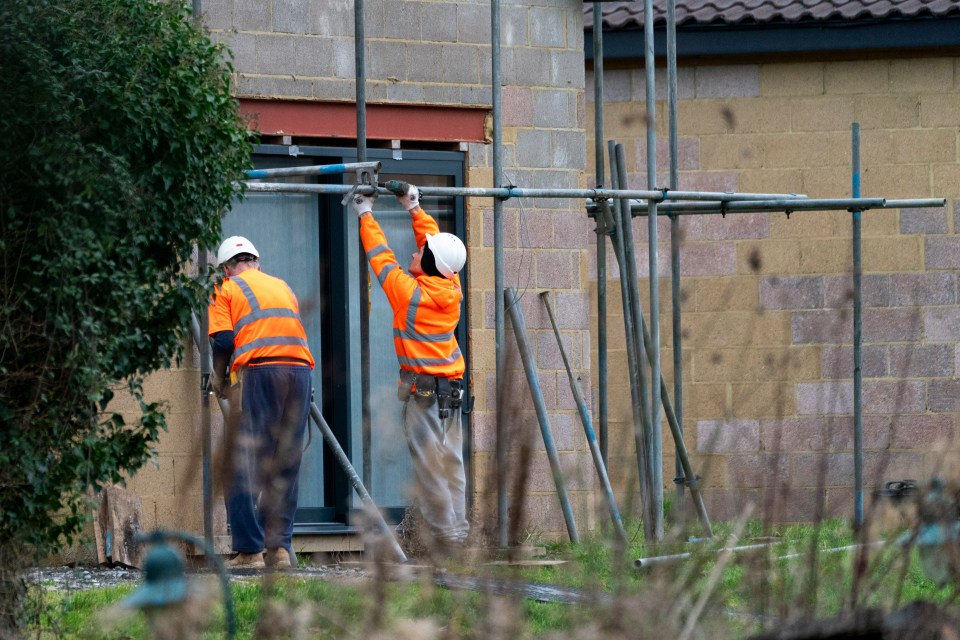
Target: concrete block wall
[(767, 299), (546, 244), (417, 52), (170, 484)]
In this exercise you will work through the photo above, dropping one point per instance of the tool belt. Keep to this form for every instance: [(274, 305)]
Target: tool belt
[(448, 392)]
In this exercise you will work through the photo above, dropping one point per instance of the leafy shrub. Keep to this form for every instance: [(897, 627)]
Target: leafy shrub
[(121, 148)]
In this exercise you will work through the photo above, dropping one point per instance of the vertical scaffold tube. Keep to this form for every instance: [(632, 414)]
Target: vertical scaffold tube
[(206, 445), (501, 446), (654, 435), (676, 294), (857, 338), (601, 220), (530, 368), (634, 352), (629, 280), (366, 435)]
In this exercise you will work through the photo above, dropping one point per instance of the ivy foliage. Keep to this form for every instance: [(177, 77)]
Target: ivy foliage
[(121, 148)]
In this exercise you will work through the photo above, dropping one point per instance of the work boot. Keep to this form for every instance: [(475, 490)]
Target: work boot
[(278, 558), (246, 561)]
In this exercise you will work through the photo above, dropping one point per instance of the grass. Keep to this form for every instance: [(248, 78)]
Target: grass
[(753, 588)]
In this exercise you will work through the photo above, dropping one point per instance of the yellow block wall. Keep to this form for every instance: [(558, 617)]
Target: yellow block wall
[(767, 300), (170, 485)]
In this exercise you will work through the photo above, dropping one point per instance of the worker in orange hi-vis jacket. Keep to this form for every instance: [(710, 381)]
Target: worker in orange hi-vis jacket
[(426, 310), (257, 334)]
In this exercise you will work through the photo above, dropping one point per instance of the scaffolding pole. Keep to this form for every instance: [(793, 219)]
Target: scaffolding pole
[(628, 284), (634, 359), (781, 206), (498, 275), (360, 63), (539, 404), (588, 431), (857, 334), (654, 435), (675, 292), (602, 232), (314, 170), (505, 193)]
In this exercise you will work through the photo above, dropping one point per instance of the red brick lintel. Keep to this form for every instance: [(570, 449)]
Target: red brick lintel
[(384, 122)]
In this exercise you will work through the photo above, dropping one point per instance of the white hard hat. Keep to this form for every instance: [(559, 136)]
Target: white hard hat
[(234, 246), (448, 252)]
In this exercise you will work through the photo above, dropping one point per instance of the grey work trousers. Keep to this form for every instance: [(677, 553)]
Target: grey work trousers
[(436, 447)]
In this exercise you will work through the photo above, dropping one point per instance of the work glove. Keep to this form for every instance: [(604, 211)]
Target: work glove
[(362, 204), (410, 199)]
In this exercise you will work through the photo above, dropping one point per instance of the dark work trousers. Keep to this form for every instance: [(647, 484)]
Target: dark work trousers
[(436, 447), (268, 447)]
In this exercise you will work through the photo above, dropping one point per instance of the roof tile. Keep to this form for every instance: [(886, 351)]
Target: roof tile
[(626, 15)]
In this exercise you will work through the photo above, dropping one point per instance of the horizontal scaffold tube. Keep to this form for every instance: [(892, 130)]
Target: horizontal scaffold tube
[(646, 563), (782, 205), (517, 192), (315, 170)]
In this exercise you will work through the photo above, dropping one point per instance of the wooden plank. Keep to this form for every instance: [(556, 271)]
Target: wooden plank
[(116, 526)]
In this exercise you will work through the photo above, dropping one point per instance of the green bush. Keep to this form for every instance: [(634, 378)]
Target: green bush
[(121, 148)]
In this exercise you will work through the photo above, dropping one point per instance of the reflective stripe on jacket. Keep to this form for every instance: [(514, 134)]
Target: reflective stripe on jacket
[(263, 314), (426, 309)]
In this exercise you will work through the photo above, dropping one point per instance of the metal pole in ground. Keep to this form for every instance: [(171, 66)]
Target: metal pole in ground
[(498, 277), (654, 439), (601, 221), (685, 462), (530, 368), (857, 338), (681, 450), (629, 279), (206, 443), (634, 356), (587, 426), (344, 461), (360, 63), (675, 244)]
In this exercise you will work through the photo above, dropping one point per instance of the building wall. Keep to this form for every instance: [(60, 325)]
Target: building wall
[(438, 53), (767, 299)]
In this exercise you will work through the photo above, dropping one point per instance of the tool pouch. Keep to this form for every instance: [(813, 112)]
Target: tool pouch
[(425, 390), (405, 384), (449, 396)]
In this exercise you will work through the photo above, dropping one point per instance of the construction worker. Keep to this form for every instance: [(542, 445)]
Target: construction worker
[(426, 310), (260, 343)]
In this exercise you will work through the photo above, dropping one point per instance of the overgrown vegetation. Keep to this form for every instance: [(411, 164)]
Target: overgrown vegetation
[(756, 590), (121, 148)]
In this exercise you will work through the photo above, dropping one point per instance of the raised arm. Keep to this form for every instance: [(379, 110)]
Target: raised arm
[(397, 284)]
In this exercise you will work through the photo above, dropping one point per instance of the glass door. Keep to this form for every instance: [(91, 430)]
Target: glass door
[(312, 242)]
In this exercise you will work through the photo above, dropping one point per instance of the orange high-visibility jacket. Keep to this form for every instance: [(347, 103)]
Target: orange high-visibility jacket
[(264, 316), (426, 309)]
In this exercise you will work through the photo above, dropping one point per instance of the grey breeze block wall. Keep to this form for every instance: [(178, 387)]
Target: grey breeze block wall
[(767, 300), (438, 53)]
